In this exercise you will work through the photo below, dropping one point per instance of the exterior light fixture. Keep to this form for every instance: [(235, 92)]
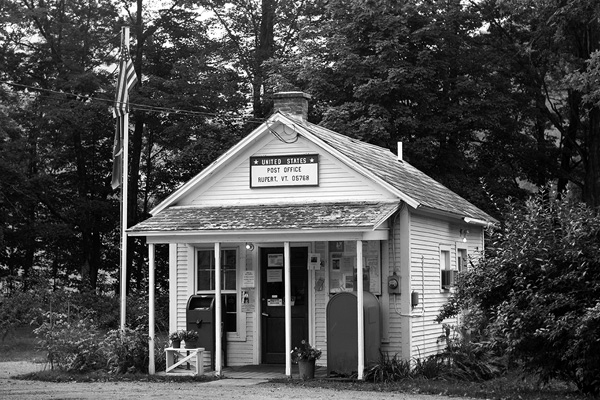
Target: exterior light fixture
[(249, 246), (463, 234)]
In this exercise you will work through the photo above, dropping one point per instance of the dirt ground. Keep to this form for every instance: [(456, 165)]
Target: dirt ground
[(246, 389)]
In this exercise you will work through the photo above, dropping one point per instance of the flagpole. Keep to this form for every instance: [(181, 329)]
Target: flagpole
[(124, 197)]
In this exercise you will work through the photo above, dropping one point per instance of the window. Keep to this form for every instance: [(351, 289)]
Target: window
[(447, 274), (461, 259), (206, 281)]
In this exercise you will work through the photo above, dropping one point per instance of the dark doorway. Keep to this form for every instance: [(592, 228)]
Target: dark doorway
[(273, 301)]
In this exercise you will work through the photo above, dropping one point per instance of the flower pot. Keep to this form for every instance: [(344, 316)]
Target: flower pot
[(191, 344), (176, 344), (306, 369)]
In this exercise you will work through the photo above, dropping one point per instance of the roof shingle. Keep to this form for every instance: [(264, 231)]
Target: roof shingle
[(361, 216)]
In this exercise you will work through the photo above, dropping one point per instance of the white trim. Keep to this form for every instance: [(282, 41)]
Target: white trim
[(218, 307), (475, 221), (360, 316), (306, 236), (406, 282), (151, 304), (172, 287), (384, 250), (288, 306), (191, 270)]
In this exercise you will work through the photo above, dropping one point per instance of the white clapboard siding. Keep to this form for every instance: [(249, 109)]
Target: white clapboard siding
[(394, 347), (182, 285), (427, 235), (321, 299), (337, 182)]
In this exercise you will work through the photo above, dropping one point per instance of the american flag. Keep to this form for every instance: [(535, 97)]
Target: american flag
[(127, 79)]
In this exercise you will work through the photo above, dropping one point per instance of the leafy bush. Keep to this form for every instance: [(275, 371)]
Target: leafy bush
[(79, 346), (536, 294), (70, 345), (16, 310), (389, 369), (126, 351)]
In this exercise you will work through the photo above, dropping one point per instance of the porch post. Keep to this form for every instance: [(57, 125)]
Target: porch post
[(288, 309), (218, 307), (151, 289), (359, 309)]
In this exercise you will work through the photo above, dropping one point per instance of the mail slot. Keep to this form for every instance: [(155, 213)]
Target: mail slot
[(201, 318)]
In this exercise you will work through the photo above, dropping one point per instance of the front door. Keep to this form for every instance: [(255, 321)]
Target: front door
[(273, 301)]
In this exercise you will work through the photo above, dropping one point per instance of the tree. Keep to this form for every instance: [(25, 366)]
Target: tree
[(256, 31), (55, 52), (424, 74), (535, 294), (550, 45)]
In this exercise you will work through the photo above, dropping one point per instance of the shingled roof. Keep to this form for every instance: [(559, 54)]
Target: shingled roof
[(384, 164), (363, 216)]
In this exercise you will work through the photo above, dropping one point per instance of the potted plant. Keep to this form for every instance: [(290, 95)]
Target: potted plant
[(175, 338), (190, 338), (305, 356)]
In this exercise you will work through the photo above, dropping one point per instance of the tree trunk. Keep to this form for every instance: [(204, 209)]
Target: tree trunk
[(265, 50)]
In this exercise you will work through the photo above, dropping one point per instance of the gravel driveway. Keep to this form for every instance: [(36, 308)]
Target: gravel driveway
[(242, 389)]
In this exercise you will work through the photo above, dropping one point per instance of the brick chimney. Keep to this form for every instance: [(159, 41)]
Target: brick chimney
[(292, 104)]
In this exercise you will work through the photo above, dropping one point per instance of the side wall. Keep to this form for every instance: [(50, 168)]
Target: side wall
[(429, 236)]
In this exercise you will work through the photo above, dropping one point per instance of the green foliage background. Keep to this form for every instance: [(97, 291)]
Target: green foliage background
[(536, 295)]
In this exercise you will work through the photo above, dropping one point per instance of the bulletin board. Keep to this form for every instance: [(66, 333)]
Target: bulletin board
[(342, 266)]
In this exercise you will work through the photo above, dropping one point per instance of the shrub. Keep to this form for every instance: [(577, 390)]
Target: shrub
[(70, 345), (79, 346), (389, 369), (126, 351), (535, 294)]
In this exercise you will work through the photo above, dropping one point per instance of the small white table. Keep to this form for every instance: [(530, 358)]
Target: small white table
[(190, 356)]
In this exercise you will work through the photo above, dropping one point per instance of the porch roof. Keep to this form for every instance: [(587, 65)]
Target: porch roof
[(362, 216)]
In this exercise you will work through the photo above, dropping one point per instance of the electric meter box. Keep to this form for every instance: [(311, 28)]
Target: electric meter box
[(342, 332)]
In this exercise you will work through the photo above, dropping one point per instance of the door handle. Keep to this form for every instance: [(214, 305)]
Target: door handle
[(265, 314)]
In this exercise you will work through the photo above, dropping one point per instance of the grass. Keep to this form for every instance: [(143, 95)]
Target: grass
[(512, 386), (20, 345)]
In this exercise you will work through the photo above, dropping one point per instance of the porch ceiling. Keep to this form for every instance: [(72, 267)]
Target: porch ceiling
[(360, 216)]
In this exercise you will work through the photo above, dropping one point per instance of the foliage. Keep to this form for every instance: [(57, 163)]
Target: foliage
[(305, 352), (468, 360), (175, 336), (77, 345), (389, 369), (126, 351), (17, 310), (72, 345), (188, 336), (535, 295)]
